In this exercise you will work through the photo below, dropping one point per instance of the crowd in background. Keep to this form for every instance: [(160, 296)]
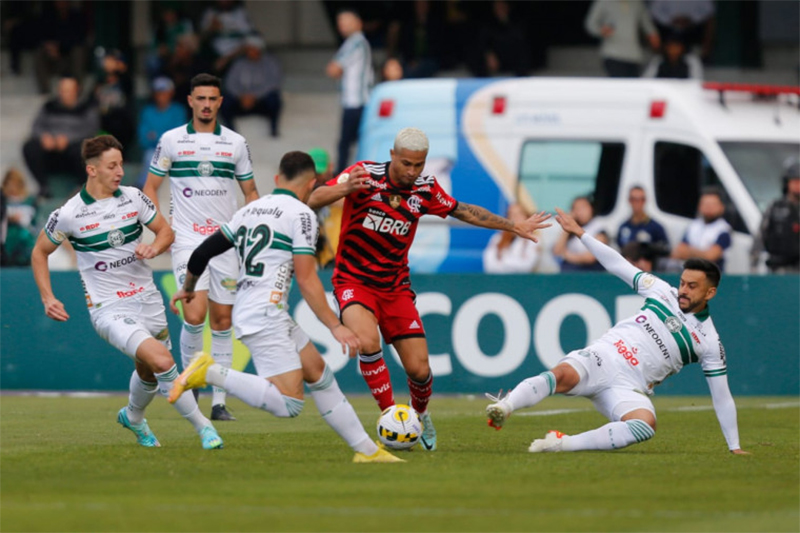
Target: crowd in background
[(94, 89)]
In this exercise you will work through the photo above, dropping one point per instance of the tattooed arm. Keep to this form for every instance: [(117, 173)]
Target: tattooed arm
[(478, 216)]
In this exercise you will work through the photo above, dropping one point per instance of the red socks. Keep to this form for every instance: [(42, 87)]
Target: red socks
[(374, 371)]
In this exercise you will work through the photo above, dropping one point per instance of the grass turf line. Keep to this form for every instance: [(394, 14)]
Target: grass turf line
[(66, 465)]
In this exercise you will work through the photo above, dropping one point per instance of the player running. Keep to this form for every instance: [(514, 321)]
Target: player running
[(104, 225), (275, 237), (619, 371), (204, 162), (383, 204)]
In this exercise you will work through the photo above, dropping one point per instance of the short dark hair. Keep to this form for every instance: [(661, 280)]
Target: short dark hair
[(713, 190), (711, 270), (205, 80), (94, 147), (635, 188), (295, 163)]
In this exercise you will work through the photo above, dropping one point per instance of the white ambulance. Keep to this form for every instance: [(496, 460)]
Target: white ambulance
[(544, 141)]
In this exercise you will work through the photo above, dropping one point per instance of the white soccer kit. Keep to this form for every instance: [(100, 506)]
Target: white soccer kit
[(640, 352), (266, 234), (124, 305), (203, 170), (355, 57)]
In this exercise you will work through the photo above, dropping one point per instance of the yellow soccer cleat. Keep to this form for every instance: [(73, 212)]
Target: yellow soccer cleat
[(194, 377), (381, 456)]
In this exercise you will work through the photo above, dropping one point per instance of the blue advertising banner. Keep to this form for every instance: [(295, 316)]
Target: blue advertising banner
[(485, 333)]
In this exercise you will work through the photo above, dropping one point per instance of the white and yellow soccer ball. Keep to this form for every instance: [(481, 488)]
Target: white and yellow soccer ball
[(399, 427)]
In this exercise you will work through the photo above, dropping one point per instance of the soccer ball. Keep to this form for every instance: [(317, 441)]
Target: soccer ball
[(399, 427)]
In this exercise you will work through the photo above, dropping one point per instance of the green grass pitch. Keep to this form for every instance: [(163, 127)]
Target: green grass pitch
[(66, 465)]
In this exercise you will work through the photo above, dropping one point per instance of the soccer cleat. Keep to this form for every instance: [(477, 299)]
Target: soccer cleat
[(211, 439), (194, 377), (428, 438), (142, 431), (552, 442), (499, 411), (380, 456), (219, 412)]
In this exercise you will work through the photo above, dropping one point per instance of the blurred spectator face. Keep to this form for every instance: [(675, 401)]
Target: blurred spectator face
[(392, 70), (793, 187), (637, 200), (169, 16), (68, 92), (711, 207), (348, 23), (14, 185), (185, 47), (163, 98), (205, 102), (253, 46), (673, 50), (501, 10), (582, 211)]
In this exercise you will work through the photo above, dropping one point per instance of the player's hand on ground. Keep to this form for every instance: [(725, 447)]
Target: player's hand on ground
[(350, 343), (182, 295), (357, 179), (145, 251), (739, 451), (530, 226), (568, 223), (54, 309)]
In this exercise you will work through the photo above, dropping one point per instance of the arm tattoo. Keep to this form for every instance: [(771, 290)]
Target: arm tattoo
[(478, 216)]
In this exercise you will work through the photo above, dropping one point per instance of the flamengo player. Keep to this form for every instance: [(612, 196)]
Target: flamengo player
[(619, 371), (104, 225), (205, 162), (383, 204)]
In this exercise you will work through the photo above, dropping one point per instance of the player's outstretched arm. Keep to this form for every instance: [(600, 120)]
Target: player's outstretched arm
[(164, 238), (53, 307), (479, 216), (725, 407), (214, 245), (347, 183), (305, 268)]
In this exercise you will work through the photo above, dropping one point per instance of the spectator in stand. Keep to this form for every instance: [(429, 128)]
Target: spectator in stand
[(392, 70), (184, 65), (58, 130), (694, 18), (171, 25), (640, 227), (62, 48), (353, 65), (503, 42), (569, 250), (224, 27), (158, 117), (779, 235), (708, 235), (617, 23), (253, 86), (674, 60), (20, 28), (508, 254), (114, 95), (640, 255), (415, 35), (20, 218)]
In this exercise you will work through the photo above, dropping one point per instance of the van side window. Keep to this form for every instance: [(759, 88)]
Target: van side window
[(681, 172), (555, 172)]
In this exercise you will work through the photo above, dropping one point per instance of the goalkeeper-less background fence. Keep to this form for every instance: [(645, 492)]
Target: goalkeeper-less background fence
[(484, 332)]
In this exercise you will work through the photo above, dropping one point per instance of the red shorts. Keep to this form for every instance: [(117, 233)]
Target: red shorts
[(397, 315)]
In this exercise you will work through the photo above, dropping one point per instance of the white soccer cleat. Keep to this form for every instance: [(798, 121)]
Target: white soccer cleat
[(552, 442), (499, 411)]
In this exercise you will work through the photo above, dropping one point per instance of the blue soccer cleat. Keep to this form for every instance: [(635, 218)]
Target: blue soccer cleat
[(211, 439), (142, 431), (428, 438)]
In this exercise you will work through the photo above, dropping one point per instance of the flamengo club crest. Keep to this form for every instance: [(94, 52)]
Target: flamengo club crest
[(206, 168), (116, 238), (394, 200), (414, 203)]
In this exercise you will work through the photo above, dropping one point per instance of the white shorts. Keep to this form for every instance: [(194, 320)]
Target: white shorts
[(276, 350), (127, 323), (609, 380), (219, 278)]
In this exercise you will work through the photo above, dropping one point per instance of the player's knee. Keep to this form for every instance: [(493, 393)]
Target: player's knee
[(418, 372), (220, 323), (294, 406)]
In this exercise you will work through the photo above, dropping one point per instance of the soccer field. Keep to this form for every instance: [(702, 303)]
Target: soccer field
[(68, 466)]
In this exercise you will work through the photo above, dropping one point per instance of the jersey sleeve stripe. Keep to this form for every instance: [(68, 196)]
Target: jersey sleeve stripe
[(152, 218), (304, 251), (226, 232), (158, 172), (57, 243), (636, 280), (245, 177), (715, 373)]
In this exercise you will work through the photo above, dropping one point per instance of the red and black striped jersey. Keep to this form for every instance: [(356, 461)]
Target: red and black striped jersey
[(378, 226)]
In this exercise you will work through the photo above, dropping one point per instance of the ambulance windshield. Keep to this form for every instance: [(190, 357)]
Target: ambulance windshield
[(761, 165)]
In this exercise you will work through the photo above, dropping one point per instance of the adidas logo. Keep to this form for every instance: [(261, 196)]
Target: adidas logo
[(376, 197), (414, 325)]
